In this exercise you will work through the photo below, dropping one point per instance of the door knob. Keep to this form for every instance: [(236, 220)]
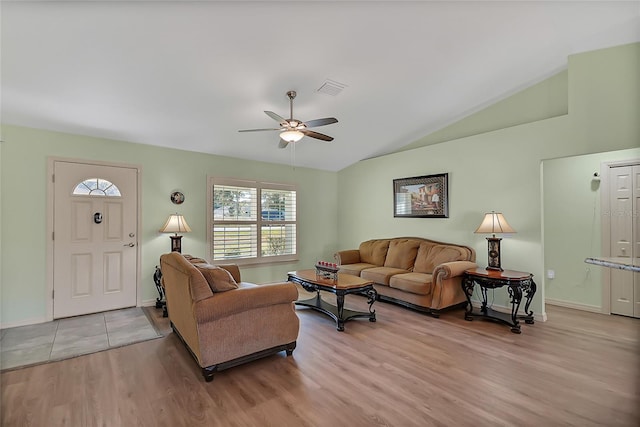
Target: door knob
[(129, 244)]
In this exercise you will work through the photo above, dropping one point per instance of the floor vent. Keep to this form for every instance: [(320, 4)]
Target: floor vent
[(331, 87)]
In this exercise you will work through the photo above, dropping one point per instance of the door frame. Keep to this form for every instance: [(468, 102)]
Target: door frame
[(605, 225), (50, 223)]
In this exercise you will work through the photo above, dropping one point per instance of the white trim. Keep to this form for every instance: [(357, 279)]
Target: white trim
[(259, 186), (25, 322), (576, 306), (148, 303), (50, 210), (605, 225), (605, 235)]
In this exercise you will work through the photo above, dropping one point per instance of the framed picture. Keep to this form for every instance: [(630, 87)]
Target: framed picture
[(421, 197), (177, 198)]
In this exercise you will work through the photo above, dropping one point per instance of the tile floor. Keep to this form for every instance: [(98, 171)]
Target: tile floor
[(74, 336)]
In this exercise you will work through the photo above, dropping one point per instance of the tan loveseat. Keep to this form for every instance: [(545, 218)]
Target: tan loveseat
[(227, 327), (418, 273)]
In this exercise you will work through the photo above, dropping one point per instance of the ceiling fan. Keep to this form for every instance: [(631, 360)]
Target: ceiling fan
[(293, 130)]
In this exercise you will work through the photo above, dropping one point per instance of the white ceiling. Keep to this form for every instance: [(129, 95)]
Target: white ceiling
[(189, 75)]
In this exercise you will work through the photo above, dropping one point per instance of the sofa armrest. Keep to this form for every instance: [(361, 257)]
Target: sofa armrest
[(447, 288), (451, 269), (224, 304), (350, 256)]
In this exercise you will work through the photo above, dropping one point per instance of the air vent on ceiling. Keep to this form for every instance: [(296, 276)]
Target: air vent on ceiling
[(331, 87)]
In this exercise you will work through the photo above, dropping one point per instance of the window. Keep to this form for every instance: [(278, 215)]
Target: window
[(96, 187), (252, 222)]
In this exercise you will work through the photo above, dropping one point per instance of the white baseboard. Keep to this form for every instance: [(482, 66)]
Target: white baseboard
[(576, 306), (148, 303), (25, 322)]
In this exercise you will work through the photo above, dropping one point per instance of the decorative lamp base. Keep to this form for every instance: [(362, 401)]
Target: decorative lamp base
[(176, 244), (493, 253)]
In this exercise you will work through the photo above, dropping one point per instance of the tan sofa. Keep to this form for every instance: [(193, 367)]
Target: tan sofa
[(225, 328), (418, 273)]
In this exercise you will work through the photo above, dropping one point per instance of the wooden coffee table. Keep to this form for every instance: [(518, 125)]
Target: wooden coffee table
[(344, 285)]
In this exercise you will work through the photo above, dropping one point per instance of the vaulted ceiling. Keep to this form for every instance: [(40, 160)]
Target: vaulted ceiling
[(189, 75)]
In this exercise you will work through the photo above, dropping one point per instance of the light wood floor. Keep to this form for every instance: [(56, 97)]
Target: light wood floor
[(407, 369)]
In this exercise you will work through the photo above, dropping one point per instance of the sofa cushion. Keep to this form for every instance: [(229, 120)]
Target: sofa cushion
[(415, 283), (219, 279), (430, 256), (355, 269), (401, 253), (374, 251), (381, 275)]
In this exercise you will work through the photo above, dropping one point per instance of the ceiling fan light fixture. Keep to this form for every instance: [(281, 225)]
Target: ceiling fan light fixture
[(291, 135)]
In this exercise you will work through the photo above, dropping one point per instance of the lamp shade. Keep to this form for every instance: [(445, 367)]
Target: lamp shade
[(175, 224), (291, 135), (494, 222)]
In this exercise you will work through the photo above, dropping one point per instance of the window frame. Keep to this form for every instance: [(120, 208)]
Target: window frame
[(212, 181)]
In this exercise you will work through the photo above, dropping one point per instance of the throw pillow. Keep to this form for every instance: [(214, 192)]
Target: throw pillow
[(402, 254), (219, 279), (194, 260)]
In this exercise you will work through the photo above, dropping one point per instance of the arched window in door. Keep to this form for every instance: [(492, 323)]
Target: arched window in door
[(96, 187)]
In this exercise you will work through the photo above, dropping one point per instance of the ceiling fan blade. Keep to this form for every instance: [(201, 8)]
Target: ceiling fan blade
[(275, 117), (317, 135), (320, 122), (257, 130), (283, 143)]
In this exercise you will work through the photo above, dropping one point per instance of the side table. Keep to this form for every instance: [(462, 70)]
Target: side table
[(517, 282)]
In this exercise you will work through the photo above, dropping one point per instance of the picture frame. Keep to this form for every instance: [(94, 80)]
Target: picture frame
[(421, 196), (177, 198)]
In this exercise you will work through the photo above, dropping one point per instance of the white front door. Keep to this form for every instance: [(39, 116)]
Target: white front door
[(94, 238)]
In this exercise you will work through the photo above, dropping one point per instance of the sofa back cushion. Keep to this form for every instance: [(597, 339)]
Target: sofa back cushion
[(402, 253), (219, 279), (430, 256), (374, 251)]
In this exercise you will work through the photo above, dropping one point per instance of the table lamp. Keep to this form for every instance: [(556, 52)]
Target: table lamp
[(493, 223), (176, 224)]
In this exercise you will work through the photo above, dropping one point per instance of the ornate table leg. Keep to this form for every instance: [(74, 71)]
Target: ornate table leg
[(467, 288), (515, 292), (372, 296), (530, 292), (485, 299), (340, 306), (161, 301)]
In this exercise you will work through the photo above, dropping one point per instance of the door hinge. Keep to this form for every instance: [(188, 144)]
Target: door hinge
[(53, 235), (53, 294), (53, 177)]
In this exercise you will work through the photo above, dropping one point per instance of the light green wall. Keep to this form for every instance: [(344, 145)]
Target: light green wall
[(24, 208), (572, 227), (501, 170), (541, 101)]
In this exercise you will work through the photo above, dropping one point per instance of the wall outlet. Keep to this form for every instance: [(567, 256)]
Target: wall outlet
[(551, 274)]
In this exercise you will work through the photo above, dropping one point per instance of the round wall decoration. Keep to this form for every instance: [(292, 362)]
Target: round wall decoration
[(177, 198)]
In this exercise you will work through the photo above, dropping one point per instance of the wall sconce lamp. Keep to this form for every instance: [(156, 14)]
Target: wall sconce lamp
[(176, 224), (493, 223)]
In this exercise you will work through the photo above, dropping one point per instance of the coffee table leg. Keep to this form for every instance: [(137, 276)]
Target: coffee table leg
[(372, 296), (340, 306)]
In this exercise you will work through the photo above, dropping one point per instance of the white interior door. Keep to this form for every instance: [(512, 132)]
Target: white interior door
[(95, 238), (625, 238)]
